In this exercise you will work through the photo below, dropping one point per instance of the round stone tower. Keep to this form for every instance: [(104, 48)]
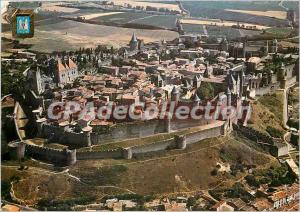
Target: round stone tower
[(127, 153), (180, 141), (175, 94)]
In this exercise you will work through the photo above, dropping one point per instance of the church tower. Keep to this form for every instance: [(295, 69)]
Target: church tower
[(274, 46), (291, 16), (175, 94), (196, 81), (224, 45), (133, 44), (197, 100), (179, 26), (228, 94)]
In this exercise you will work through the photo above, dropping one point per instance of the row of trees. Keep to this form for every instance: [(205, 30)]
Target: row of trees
[(153, 9), (273, 177)]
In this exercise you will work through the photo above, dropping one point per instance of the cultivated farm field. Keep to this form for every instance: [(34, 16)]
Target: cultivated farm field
[(165, 21), (268, 13), (220, 23), (122, 17), (220, 10), (70, 35), (193, 28)]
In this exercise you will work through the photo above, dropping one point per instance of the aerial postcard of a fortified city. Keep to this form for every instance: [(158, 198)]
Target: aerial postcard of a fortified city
[(140, 105)]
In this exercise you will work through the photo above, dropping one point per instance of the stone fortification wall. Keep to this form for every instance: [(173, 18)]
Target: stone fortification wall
[(116, 153), (153, 147), (130, 130), (274, 146), (186, 123), (254, 135), (69, 157), (290, 70), (63, 157), (203, 134), (271, 88), (180, 142), (16, 111), (291, 81), (59, 135), (177, 142), (118, 132), (266, 90), (143, 129)]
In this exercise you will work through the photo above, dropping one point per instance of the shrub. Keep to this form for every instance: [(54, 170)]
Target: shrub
[(191, 201), (295, 139), (217, 194), (252, 181), (63, 205), (5, 190), (206, 91), (264, 180), (250, 121), (214, 172), (276, 133), (293, 123)]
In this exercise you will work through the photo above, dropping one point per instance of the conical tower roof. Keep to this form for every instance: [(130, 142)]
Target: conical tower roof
[(196, 98), (228, 90), (133, 38), (174, 90), (224, 40), (196, 78)]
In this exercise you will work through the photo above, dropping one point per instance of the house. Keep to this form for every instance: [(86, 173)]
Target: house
[(128, 204), (188, 38), (174, 206), (293, 167), (252, 64), (153, 205), (280, 149), (279, 199), (111, 70), (237, 50), (222, 206), (10, 208), (66, 71), (285, 196), (262, 204)]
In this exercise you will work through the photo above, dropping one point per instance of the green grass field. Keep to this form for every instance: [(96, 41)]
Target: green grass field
[(239, 5)]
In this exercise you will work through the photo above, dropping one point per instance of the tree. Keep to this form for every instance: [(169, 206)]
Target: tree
[(295, 139), (293, 123), (206, 91), (274, 132), (252, 181), (191, 201), (214, 172)]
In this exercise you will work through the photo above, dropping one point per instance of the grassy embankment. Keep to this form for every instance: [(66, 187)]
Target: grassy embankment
[(266, 114)]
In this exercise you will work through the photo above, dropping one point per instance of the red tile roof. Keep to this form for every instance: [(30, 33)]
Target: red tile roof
[(218, 204), (72, 64), (279, 195)]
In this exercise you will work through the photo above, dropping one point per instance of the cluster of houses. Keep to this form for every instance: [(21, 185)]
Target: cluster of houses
[(285, 198)]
